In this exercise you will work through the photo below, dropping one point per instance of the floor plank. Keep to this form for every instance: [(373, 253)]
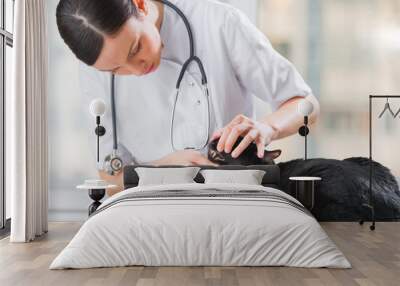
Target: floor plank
[(375, 257)]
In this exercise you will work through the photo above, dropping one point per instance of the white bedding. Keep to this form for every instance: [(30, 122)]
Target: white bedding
[(186, 230)]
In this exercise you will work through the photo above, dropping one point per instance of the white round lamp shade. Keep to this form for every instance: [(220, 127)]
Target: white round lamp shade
[(97, 107), (305, 107)]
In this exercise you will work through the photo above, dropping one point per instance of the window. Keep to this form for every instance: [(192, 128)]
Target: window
[(6, 44)]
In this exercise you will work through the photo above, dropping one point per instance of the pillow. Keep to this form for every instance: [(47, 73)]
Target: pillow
[(162, 176), (249, 177)]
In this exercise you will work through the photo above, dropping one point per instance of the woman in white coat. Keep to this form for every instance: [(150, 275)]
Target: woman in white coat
[(147, 39)]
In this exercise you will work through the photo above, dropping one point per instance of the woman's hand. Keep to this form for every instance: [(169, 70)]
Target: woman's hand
[(253, 131), (184, 157)]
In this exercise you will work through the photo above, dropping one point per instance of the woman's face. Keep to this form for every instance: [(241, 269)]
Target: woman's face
[(135, 49)]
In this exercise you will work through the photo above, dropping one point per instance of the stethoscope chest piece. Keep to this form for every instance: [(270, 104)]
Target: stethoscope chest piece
[(113, 163)]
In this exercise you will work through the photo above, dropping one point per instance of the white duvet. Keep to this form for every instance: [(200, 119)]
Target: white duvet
[(203, 231)]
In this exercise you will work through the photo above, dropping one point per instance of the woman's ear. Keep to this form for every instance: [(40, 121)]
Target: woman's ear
[(141, 5)]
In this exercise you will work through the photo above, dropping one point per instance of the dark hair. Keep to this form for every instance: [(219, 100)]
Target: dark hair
[(83, 23)]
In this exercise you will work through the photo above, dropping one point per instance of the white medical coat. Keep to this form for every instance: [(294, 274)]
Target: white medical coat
[(239, 62)]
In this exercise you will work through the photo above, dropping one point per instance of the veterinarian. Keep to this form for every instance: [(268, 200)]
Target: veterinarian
[(149, 41)]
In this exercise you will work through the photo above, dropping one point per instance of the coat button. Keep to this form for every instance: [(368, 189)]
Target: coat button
[(198, 102)]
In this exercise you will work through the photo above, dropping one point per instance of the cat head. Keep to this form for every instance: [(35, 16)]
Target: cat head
[(248, 156)]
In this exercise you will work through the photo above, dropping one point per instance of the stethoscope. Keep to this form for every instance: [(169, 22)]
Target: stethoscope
[(114, 163)]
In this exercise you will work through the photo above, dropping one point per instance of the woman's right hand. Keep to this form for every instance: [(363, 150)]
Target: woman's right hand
[(185, 158)]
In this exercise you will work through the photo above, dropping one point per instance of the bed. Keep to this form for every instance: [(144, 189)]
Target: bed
[(201, 224)]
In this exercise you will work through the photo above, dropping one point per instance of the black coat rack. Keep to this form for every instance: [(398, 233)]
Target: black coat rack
[(370, 204)]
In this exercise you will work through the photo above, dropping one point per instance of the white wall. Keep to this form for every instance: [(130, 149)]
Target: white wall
[(69, 150)]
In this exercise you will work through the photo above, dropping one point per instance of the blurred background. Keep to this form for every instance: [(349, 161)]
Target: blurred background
[(345, 50)]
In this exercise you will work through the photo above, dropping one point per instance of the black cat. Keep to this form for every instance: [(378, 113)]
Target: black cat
[(344, 186), (248, 156)]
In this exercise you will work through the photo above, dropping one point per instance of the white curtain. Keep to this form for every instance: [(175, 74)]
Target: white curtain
[(26, 119)]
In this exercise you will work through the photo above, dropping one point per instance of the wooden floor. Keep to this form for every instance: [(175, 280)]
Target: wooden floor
[(375, 257)]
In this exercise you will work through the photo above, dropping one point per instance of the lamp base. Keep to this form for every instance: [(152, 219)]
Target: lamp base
[(96, 195)]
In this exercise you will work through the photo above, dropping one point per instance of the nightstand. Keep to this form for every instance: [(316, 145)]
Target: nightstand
[(303, 189), (96, 190)]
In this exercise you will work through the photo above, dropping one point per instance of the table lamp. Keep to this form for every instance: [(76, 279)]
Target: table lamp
[(305, 108), (97, 109)]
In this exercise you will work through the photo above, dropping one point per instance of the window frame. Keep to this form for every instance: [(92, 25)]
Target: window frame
[(6, 39)]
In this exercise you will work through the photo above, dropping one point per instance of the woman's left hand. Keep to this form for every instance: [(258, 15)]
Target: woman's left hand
[(253, 131)]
